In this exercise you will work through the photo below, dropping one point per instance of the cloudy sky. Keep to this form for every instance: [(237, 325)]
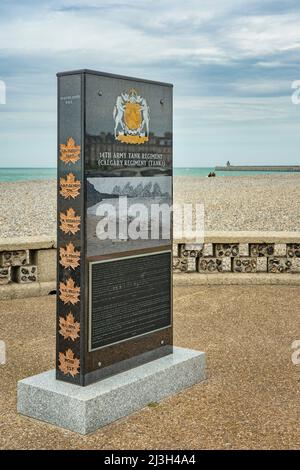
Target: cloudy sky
[(232, 63)]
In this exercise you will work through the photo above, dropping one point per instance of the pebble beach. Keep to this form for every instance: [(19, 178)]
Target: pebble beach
[(231, 203)]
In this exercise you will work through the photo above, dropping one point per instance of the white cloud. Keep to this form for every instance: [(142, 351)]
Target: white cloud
[(270, 64), (227, 110), (190, 31), (261, 87), (232, 61), (264, 35)]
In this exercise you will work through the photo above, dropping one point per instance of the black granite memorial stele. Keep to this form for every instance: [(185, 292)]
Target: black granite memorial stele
[(114, 302)]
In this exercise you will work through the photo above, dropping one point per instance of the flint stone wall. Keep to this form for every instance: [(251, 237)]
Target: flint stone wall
[(27, 267), (272, 254)]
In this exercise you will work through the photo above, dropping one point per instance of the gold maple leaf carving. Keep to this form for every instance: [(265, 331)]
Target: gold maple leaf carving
[(69, 292), (69, 222), (69, 364), (69, 153), (69, 328), (70, 187), (69, 257)]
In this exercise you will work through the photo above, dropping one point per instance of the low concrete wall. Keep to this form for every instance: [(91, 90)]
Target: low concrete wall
[(28, 265)]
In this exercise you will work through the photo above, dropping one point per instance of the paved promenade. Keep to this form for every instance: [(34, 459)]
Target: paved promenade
[(250, 400)]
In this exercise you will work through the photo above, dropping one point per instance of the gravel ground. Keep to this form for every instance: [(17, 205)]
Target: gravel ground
[(260, 202), (28, 208), (251, 399)]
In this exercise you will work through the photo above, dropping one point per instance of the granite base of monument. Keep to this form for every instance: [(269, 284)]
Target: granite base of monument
[(85, 409)]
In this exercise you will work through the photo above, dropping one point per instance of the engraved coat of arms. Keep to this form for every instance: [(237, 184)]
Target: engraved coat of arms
[(132, 115)]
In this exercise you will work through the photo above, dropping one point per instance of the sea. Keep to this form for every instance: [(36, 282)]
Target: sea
[(23, 174)]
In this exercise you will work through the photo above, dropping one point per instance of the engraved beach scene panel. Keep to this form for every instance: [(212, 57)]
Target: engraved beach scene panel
[(135, 210)]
